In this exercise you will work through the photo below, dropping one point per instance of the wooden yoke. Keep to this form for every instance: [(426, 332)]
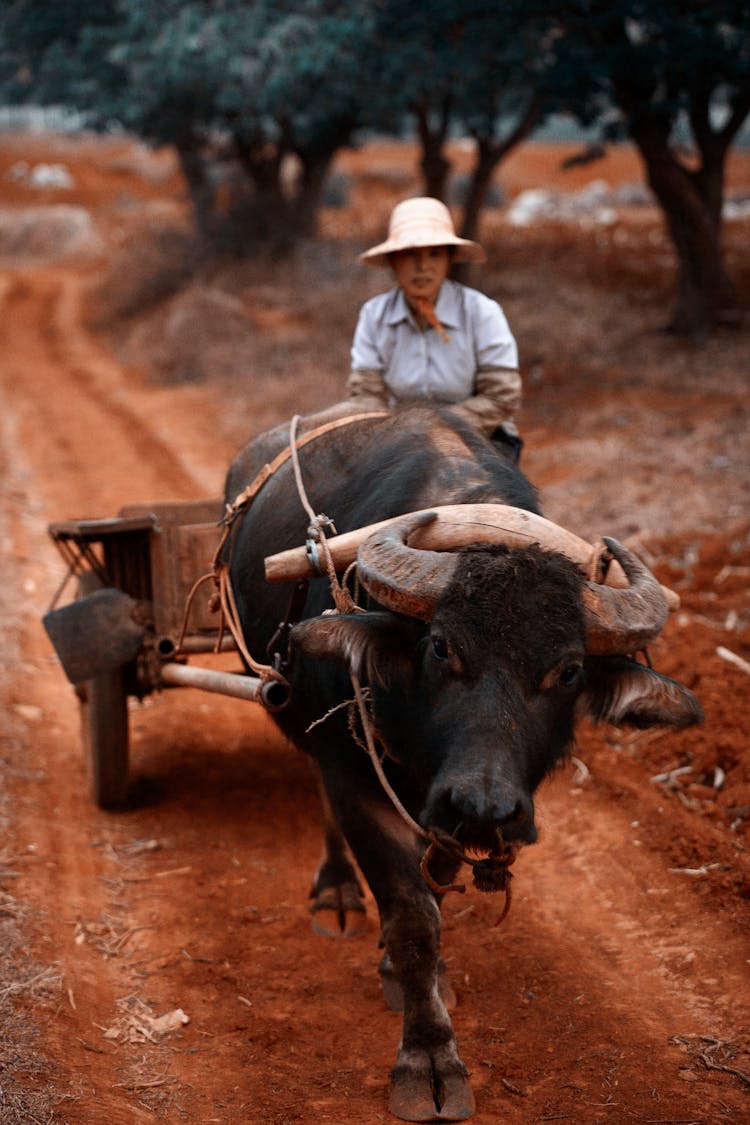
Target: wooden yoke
[(458, 525)]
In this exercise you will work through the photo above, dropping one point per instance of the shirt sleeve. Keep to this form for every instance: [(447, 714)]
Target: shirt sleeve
[(365, 352), (497, 399), (368, 388), (494, 343)]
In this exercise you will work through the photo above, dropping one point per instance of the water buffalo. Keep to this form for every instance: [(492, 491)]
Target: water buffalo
[(478, 662)]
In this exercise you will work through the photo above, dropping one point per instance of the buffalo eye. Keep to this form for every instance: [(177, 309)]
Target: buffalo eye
[(567, 675), (440, 646), (570, 674)]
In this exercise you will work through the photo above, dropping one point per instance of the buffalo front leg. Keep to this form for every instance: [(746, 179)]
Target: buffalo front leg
[(338, 908), (429, 1080)]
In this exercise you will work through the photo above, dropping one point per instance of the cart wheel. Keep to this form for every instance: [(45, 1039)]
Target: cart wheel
[(104, 724)]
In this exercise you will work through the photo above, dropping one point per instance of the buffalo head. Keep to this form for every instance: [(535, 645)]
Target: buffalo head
[(481, 663)]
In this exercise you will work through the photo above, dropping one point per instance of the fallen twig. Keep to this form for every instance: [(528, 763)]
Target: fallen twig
[(695, 870), (90, 1047), (733, 658), (138, 1024), (47, 977), (728, 570), (668, 777), (711, 1065), (513, 1089), (156, 875), (582, 774), (690, 1043)]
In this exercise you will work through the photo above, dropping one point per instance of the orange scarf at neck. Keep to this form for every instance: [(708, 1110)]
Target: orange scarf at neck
[(426, 309)]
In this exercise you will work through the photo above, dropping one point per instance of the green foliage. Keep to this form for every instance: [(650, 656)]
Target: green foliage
[(673, 76), (275, 78), (482, 61), (295, 71), (675, 62)]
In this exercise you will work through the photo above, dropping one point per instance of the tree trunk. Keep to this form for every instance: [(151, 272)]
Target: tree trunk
[(490, 151), (307, 198), (434, 164), (488, 157), (265, 215), (199, 187), (691, 202)]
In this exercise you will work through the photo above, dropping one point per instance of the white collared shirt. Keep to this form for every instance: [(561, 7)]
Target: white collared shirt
[(421, 365)]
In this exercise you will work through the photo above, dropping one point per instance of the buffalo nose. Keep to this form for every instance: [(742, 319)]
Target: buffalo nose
[(477, 817), (518, 824)]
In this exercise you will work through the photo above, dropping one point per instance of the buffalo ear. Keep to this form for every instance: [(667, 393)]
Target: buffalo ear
[(621, 691), (375, 647)]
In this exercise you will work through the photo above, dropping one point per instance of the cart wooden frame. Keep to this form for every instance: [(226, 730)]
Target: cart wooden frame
[(153, 554)]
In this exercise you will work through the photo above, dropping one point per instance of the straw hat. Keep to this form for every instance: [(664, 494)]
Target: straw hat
[(421, 222)]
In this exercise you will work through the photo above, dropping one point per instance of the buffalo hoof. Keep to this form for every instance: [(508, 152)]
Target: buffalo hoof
[(393, 993), (422, 1090), (339, 912)]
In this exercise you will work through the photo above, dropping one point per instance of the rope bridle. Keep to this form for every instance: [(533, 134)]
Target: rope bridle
[(490, 874)]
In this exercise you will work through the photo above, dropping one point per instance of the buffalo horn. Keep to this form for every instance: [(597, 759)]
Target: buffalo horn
[(401, 578), (624, 620)]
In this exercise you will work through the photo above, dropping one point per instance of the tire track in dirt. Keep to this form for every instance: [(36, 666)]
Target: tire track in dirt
[(681, 967), (60, 876), (108, 432), (67, 409)]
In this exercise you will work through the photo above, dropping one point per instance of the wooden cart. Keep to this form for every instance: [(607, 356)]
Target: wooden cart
[(119, 636)]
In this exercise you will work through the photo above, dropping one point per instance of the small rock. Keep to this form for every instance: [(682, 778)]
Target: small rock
[(29, 712), (170, 1021), (50, 175)]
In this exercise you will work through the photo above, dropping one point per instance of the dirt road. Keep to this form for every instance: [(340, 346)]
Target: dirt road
[(616, 990)]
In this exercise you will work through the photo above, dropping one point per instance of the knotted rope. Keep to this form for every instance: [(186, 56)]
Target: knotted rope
[(316, 532)]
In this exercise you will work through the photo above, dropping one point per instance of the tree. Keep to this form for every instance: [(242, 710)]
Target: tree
[(275, 79), (508, 87), (678, 73), (139, 65), (294, 87), (266, 80), (471, 67), (291, 78)]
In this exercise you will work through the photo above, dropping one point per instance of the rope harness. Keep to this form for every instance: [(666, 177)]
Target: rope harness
[(491, 873), (223, 599)]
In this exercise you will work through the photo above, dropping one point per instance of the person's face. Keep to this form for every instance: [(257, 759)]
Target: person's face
[(421, 271)]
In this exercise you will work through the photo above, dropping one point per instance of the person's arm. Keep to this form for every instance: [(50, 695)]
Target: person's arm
[(367, 389), (497, 399), (497, 384), (366, 382)]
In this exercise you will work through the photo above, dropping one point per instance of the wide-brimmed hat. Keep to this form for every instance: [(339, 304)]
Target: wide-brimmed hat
[(421, 222)]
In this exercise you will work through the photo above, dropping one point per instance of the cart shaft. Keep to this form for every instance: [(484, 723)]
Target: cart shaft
[(273, 694)]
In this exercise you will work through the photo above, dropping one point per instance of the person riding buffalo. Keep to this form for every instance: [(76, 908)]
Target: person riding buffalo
[(433, 339)]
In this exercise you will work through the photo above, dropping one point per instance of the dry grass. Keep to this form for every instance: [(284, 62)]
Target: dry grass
[(582, 299), (27, 1095), (26, 1091)]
